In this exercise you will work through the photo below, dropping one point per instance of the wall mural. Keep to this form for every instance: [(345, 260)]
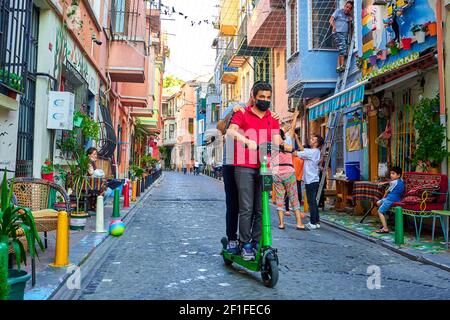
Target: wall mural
[(395, 31)]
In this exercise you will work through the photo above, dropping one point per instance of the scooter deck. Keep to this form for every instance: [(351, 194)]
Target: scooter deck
[(252, 265)]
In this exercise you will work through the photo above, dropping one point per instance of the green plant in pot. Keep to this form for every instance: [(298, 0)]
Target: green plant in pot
[(78, 162), (430, 135), (136, 172), (15, 222)]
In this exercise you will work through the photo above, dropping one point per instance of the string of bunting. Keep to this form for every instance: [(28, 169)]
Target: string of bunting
[(169, 11)]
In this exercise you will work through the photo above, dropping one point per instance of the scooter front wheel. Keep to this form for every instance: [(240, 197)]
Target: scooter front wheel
[(270, 274)]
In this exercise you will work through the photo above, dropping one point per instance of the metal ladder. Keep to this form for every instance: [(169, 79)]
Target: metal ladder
[(333, 122), (342, 78)]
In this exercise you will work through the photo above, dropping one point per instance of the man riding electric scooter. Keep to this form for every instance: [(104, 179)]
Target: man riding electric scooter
[(254, 127)]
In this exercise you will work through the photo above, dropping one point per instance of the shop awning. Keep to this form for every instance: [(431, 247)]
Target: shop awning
[(340, 100)]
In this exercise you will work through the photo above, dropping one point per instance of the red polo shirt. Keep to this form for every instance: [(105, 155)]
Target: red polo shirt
[(258, 129)]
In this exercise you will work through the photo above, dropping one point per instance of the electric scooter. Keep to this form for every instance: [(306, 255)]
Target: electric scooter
[(266, 259)]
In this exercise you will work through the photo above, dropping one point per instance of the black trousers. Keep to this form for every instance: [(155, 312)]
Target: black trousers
[(232, 202), (311, 194)]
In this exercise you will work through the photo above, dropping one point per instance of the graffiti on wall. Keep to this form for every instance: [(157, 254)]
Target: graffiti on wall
[(73, 54), (394, 31)]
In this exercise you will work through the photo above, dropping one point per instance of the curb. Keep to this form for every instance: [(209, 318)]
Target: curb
[(66, 277), (412, 256), (409, 255)]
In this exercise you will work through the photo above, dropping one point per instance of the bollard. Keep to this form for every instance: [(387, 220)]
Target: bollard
[(116, 205), (399, 236), (126, 197), (133, 191), (143, 185), (99, 219), (62, 241), (138, 188)]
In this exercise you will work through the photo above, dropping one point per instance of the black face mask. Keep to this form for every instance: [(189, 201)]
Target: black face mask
[(263, 105)]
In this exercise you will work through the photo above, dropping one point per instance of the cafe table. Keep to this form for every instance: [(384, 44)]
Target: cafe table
[(367, 191)]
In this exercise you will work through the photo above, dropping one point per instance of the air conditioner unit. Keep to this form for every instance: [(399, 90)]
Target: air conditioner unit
[(61, 106)]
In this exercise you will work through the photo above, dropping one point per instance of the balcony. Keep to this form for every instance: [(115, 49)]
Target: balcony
[(228, 75), (267, 24), (239, 49), (228, 24), (128, 47), (154, 16)]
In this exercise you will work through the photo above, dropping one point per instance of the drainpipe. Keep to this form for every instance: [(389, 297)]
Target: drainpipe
[(440, 47)]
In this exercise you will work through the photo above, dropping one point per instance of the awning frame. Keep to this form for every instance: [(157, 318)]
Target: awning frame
[(313, 109)]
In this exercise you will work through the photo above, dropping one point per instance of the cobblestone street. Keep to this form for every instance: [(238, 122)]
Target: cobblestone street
[(171, 246)]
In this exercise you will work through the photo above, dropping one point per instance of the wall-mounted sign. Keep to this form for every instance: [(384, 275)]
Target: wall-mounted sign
[(61, 107)]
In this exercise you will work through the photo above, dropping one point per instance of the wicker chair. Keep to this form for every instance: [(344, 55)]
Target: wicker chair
[(34, 194)]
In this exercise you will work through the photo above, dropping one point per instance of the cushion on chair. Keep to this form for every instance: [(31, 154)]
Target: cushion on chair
[(416, 207), (426, 181), (46, 213)]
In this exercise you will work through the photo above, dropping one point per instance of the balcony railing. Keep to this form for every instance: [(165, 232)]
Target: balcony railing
[(125, 19), (15, 24)]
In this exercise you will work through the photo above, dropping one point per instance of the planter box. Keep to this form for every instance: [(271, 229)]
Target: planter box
[(48, 176), (17, 281), (78, 222), (420, 36)]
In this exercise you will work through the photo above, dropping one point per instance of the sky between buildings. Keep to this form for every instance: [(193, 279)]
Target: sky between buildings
[(191, 54)]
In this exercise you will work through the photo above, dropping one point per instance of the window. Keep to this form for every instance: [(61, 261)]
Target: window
[(293, 24), (215, 109), (120, 16), (171, 131), (191, 126), (201, 126), (320, 13)]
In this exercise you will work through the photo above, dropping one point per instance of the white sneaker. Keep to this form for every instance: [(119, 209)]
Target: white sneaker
[(317, 225), (311, 226)]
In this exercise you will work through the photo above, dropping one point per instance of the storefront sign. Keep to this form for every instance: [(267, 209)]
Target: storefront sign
[(60, 110)]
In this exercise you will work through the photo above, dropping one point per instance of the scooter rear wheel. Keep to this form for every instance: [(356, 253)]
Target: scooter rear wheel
[(270, 274)]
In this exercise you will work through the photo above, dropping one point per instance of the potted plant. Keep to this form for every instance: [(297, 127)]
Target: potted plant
[(419, 31), (431, 135), (78, 162), (432, 28), (406, 43), (78, 177), (136, 175), (47, 170), (15, 221), (393, 48)]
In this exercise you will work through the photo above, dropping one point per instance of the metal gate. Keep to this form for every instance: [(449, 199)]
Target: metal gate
[(25, 137)]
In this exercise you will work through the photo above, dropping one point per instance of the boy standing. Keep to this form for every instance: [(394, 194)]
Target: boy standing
[(311, 177), (393, 194)]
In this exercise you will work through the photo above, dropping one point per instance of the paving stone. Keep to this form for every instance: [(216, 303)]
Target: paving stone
[(186, 214)]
